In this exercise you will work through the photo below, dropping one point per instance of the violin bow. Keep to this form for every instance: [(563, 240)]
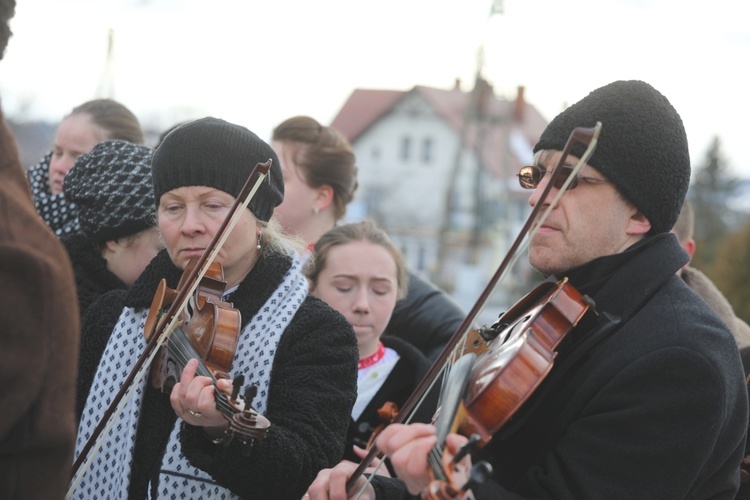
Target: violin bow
[(172, 315), (583, 135)]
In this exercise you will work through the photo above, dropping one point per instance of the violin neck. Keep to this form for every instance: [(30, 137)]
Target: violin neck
[(435, 461), (180, 350)]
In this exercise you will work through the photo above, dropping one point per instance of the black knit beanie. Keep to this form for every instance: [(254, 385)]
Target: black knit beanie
[(642, 147), (215, 153), (111, 187)]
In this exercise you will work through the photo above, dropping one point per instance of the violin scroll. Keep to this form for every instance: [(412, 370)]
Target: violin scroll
[(245, 424)]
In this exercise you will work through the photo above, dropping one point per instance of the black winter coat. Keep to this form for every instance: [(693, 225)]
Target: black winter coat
[(93, 279), (426, 318), (657, 409), (311, 394)]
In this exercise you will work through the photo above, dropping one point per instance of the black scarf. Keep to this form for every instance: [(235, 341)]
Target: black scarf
[(60, 214)]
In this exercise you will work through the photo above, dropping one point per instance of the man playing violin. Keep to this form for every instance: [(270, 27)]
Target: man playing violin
[(646, 397)]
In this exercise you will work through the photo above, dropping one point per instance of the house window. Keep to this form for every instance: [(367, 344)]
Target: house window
[(427, 150), (405, 147)]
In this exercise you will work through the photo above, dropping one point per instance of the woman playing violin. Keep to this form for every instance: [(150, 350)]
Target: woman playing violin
[(299, 353), (358, 271), (652, 406)]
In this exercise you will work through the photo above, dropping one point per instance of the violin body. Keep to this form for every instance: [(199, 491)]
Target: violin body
[(485, 390), (505, 375), (211, 325), (209, 331)]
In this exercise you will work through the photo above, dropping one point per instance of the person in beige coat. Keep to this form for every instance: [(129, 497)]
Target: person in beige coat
[(706, 289), (38, 336)]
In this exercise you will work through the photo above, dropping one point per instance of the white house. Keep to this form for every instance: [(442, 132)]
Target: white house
[(437, 170)]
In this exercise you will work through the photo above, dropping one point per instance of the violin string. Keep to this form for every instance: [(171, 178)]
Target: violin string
[(183, 351), (435, 460)]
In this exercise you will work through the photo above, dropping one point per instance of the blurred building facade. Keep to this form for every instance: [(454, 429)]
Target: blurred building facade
[(437, 170)]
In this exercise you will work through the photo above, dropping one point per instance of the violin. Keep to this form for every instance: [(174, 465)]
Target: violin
[(486, 390), (210, 334), (489, 383), (196, 301)]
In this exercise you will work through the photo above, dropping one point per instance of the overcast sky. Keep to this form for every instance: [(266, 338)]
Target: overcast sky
[(259, 62)]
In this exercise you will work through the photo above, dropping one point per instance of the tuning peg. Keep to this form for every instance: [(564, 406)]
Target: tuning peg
[(250, 392), (237, 384), (470, 446), (480, 472)]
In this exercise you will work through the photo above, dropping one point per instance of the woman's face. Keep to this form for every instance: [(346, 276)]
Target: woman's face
[(360, 281), (189, 217), (76, 135)]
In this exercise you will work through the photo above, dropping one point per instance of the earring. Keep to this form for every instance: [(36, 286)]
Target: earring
[(258, 246), (315, 210)]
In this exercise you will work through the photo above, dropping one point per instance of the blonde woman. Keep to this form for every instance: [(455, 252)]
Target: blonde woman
[(299, 353), (358, 271)]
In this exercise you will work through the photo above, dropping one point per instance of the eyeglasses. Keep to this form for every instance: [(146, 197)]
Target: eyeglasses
[(530, 177)]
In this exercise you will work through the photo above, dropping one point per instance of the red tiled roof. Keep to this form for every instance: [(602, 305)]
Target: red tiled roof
[(363, 108), (366, 106)]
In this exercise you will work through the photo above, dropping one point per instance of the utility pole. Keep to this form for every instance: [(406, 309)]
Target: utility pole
[(106, 88), (474, 114)]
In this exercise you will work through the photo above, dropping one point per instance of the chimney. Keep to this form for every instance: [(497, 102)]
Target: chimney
[(520, 105)]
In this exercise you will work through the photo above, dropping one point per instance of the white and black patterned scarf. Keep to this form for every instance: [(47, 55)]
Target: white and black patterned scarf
[(109, 473), (60, 214)]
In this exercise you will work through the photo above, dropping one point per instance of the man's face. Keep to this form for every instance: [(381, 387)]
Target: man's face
[(590, 221)]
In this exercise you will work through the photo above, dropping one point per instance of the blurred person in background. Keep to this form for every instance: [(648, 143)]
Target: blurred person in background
[(39, 340), (705, 288), (320, 178), (85, 126), (114, 196)]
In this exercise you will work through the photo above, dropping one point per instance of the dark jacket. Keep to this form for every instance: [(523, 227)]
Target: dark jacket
[(38, 343), (311, 394), (655, 409), (93, 279), (397, 388), (426, 318)]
